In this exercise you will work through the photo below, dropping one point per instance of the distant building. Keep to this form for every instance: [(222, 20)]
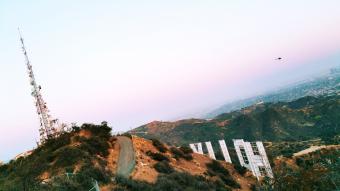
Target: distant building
[(252, 155)]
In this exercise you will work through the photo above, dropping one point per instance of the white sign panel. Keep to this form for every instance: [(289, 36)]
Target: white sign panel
[(224, 150), (210, 150), (251, 155)]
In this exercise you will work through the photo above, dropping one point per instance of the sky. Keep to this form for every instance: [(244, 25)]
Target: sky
[(132, 62)]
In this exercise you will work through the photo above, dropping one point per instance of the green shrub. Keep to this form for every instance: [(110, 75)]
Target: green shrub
[(102, 131), (186, 149), (50, 157), (228, 180), (95, 145), (124, 184), (56, 143), (253, 187), (163, 167), (89, 171), (178, 153), (72, 182), (68, 156), (240, 169), (216, 167), (75, 128), (157, 156), (300, 161), (188, 157), (68, 184), (220, 186), (160, 146)]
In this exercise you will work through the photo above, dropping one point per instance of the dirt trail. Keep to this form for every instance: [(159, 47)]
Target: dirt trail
[(126, 159), (314, 148)]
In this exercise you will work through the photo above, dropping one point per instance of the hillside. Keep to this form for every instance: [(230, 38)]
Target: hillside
[(89, 154), (302, 119), (328, 84), (302, 139), (317, 170)]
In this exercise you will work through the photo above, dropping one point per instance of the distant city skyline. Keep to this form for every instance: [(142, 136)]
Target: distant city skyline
[(132, 62)]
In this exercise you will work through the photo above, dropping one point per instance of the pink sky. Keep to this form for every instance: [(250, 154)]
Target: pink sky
[(129, 62)]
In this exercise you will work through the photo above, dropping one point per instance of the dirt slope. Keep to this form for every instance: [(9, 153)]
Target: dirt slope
[(145, 171)]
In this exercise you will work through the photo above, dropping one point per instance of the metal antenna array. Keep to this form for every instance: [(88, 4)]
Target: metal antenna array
[(49, 128)]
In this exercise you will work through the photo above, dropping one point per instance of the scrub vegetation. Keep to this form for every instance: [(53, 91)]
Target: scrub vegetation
[(81, 158)]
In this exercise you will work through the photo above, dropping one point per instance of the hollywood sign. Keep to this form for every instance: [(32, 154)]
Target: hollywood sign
[(251, 155)]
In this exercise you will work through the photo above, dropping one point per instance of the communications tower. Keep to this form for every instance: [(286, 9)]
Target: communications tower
[(49, 127)]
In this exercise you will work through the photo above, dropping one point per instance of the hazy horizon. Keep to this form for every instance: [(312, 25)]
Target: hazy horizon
[(130, 63)]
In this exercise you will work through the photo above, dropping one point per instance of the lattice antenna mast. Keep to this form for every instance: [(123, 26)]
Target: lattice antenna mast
[(47, 125)]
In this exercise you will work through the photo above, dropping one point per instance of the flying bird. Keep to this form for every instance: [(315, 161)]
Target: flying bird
[(279, 58)]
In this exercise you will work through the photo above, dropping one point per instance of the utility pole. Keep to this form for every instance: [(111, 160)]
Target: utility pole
[(49, 127)]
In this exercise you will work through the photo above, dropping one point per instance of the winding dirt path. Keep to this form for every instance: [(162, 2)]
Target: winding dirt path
[(126, 159), (314, 148)]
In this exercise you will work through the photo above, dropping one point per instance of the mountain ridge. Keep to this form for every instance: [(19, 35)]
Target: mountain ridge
[(302, 119)]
